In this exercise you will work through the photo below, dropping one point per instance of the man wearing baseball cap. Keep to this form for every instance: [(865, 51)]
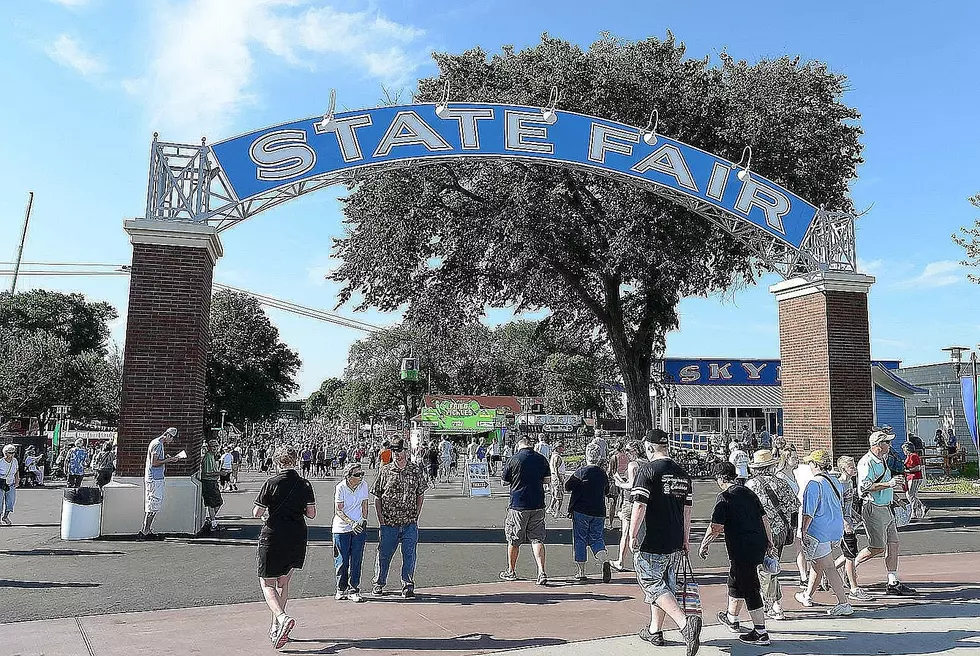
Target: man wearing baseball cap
[(154, 482), (876, 487)]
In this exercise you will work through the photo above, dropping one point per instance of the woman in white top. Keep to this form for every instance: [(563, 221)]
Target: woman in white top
[(557, 466), (9, 480), (788, 462), (349, 535), (637, 456)]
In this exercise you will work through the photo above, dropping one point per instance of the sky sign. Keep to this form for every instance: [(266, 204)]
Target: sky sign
[(261, 161)]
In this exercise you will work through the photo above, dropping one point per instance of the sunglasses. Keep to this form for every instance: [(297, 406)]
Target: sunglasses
[(356, 474)]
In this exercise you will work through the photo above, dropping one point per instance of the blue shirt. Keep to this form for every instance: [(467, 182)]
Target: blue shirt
[(76, 461), (155, 448), (526, 471), (822, 500)]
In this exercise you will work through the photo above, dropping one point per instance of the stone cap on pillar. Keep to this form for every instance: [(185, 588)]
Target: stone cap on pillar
[(175, 233), (827, 281)]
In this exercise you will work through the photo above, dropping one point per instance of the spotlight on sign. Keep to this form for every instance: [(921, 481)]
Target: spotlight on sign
[(746, 157), (650, 133), (442, 107), (327, 123), (549, 115)]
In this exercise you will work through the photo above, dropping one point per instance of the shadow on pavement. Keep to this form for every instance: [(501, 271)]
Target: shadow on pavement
[(857, 643), (936, 523), (43, 585), (58, 552), (522, 598), (474, 642)]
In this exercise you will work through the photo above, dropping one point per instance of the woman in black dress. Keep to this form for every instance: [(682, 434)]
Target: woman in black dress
[(284, 502)]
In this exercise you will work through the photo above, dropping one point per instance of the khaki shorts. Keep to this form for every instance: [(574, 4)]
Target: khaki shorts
[(879, 523), (154, 490), (523, 526)]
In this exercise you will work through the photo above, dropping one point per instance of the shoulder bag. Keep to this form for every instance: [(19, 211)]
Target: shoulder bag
[(790, 529), (688, 593)]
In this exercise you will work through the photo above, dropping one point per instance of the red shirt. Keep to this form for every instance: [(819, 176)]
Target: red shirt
[(913, 460)]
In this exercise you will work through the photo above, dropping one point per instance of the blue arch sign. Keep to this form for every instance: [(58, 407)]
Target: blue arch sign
[(261, 161)]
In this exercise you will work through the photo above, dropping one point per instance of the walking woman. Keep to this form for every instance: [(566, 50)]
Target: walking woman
[(637, 456), (779, 502), (285, 502), (349, 536), (558, 475), (913, 480), (9, 480), (788, 462)]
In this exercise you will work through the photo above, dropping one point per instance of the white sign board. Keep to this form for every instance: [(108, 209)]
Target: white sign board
[(476, 481)]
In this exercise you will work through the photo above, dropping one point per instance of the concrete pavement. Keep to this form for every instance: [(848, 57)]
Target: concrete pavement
[(563, 619)]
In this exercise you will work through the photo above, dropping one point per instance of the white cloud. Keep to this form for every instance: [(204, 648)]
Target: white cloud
[(69, 53), (203, 69), (72, 4), (871, 267), (935, 274)]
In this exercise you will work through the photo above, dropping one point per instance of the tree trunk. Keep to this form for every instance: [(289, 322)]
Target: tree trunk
[(634, 365)]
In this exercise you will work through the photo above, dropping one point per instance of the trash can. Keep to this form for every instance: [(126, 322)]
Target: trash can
[(81, 513)]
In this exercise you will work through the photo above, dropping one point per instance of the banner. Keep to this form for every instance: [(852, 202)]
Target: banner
[(306, 149), (971, 406)]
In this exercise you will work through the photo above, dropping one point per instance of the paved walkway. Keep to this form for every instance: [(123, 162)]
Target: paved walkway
[(564, 618)]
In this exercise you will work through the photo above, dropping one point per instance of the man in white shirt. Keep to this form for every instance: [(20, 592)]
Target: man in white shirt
[(471, 450), (543, 447), (154, 483), (740, 458), (446, 457)]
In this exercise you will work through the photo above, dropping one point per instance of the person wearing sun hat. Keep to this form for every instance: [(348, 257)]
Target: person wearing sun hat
[(779, 502), (876, 486), (822, 525)]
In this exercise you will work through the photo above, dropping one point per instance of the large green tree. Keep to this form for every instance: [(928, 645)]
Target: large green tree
[(81, 323), (453, 238), (249, 369)]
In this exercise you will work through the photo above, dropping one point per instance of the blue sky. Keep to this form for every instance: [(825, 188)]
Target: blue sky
[(87, 82)]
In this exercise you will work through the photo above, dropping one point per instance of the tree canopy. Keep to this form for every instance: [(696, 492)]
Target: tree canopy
[(450, 239), (249, 369)]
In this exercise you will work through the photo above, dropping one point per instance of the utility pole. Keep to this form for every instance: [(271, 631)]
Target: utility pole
[(23, 238)]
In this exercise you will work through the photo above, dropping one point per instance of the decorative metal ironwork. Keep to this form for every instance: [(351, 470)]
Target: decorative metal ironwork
[(186, 184)]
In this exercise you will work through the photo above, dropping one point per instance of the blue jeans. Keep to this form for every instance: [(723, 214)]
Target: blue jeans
[(348, 554), (7, 500), (587, 531), (391, 536)]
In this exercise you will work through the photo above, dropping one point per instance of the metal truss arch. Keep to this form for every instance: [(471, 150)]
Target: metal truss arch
[(187, 184)]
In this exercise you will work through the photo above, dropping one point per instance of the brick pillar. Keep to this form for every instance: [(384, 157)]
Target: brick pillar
[(825, 347), (166, 341)]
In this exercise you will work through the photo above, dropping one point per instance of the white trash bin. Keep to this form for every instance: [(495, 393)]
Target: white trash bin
[(81, 514)]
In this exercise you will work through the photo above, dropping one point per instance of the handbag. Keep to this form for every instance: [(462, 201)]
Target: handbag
[(790, 526), (903, 513), (689, 594)]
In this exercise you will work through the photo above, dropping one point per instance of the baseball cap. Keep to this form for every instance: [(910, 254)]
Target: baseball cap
[(880, 436), (656, 436), (820, 457), (351, 468)]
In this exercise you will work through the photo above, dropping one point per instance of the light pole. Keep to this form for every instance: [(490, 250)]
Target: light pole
[(223, 413), (956, 357)]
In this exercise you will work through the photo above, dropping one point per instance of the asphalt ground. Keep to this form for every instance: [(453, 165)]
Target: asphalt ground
[(461, 541)]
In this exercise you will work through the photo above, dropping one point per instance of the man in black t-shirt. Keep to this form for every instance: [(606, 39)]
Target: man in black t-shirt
[(528, 473), (740, 516), (662, 499)]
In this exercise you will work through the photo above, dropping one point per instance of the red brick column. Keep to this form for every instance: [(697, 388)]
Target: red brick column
[(166, 341), (825, 348)]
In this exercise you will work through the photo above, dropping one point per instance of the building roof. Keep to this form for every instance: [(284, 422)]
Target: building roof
[(729, 396), (890, 382)]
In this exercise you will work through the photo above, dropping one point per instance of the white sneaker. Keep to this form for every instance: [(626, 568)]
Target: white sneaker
[(859, 594), (841, 610), (355, 597), (776, 612), (340, 596), (805, 601)]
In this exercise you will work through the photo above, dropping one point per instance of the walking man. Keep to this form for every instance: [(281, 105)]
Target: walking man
[(662, 499), (154, 483), (740, 516), (9, 480), (528, 473), (446, 451), (75, 463), (210, 489), (876, 486), (398, 493)]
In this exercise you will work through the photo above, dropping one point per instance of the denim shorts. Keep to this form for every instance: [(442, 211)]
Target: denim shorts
[(657, 573)]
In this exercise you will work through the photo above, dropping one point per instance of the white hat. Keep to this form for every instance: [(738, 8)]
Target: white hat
[(880, 436)]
